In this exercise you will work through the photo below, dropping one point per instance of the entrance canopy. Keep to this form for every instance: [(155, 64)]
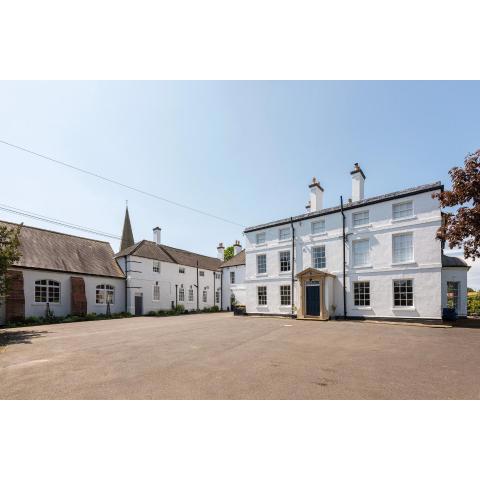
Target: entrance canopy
[(316, 294)]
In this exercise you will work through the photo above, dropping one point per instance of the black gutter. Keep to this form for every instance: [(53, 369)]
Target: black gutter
[(350, 206), (292, 267), (344, 263)]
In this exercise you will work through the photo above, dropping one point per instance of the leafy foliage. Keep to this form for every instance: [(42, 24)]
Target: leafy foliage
[(9, 253), (228, 253), (462, 229), (473, 304)]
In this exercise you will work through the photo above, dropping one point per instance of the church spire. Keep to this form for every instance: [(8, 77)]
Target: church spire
[(127, 234)]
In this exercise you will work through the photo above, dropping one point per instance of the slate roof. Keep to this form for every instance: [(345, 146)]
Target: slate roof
[(48, 250), (238, 259), (348, 206), (453, 262), (165, 253)]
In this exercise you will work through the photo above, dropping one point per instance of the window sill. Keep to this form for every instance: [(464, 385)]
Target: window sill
[(362, 266), (397, 264), (284, 274), (44, 304), (403, 308), (358, 227), (261, 244), (261, 275), (403, 219), (320, 234), (362, 308), (284, 240)]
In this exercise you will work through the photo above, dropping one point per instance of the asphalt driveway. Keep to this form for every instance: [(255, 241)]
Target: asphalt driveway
[(218, 356)]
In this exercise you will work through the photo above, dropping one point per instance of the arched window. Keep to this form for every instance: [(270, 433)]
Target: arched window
[(181, 294), (105, 294), (190, 294), (47, 291)]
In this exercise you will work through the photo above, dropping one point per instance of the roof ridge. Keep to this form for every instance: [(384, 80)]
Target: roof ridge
[(180, 249), (54, 231)]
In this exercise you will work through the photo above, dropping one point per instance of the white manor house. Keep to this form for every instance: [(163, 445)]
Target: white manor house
[(367, 257)]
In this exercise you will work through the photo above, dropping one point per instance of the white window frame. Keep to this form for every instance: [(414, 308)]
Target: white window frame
[(217, 295), (283, 295), (403, 307), (314, 249), (403, 217), (156, 289), (232, 277), (50, 286), (104, 290), (201, 273), (361, 215), (190, 294), (260, 238), (362, 297), (156, 267), (181, 294), (261, 304), (284, 234), (181, 270), (354, 255), (285, 262), (395, 259), (264, 255), (205, 295), (320, 230)]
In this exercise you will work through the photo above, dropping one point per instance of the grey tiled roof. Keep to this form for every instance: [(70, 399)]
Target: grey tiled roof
[(47, 250), (453, 262), (238, 259), (165, 253), (348, 206)]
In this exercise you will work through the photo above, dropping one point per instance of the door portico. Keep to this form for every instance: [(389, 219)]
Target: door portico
[(313, 304)]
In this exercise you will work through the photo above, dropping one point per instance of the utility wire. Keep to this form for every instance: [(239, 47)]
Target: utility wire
[(115, 182), (37, 216)]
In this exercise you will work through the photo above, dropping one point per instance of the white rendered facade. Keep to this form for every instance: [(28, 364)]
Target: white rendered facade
[(169, 285), (391, 246), (233, 283)]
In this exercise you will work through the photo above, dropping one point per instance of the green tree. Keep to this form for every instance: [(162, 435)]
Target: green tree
[(9, 253), (228, 253)]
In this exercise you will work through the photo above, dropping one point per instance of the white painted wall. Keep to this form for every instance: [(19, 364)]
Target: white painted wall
[(63, 308), (238, 288), (425, 270), (451, 274), (142, 278)]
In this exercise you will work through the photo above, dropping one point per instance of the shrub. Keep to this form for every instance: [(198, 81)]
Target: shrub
[(473, 304), (179, 308)]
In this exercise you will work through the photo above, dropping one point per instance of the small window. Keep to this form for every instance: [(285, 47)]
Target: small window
[(453, 289), (262, 295), (181, 294), (360, 218), (181, 269), (156, 293), (361, 253), (201, 273), (285, 295), (361, 294), (285, 261), (217, 276), (190, 294), (105, 294), (156, 266), (403, 293), (47, 291), (232, 277), (402, 210), (318, 257), (260, 238), (261, 264), (318, 227), (285, 233), (402, 248), (217, 296), (204, 297)]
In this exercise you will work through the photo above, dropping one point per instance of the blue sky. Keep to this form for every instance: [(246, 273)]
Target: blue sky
[(241, 150)]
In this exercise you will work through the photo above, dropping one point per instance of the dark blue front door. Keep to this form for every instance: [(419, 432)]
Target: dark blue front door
[(312, 295)]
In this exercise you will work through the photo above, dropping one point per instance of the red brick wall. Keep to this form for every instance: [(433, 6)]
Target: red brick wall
[(15, 301), (78, 297)]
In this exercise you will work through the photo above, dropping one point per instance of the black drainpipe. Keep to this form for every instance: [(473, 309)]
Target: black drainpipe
[(214, 291), (293, 267), (344, 263), (221, 289), (198, 289), (176, 296), (126, 282)]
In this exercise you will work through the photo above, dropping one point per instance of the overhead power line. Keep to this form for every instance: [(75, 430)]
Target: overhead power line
[(37, 216), (115, 182)]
